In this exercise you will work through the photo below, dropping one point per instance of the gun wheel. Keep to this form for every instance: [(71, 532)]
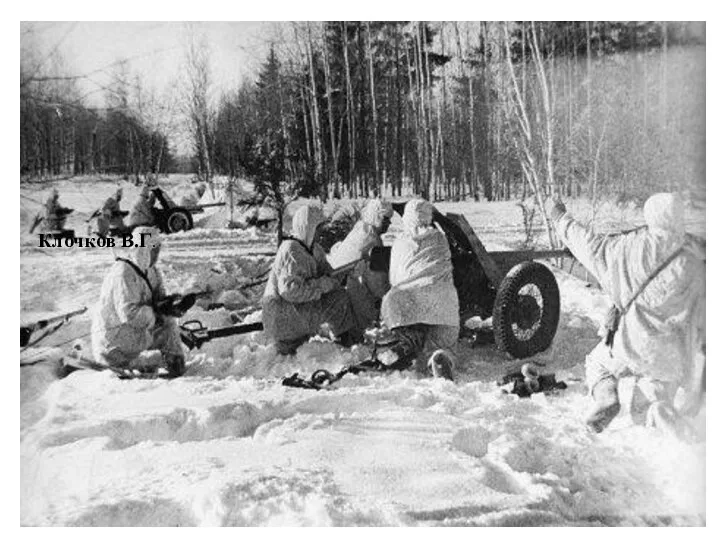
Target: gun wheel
[(179, 220), (526, 310)]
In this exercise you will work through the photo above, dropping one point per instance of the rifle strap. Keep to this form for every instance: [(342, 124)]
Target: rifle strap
[(138, 271), (303, 244), (652, 276)]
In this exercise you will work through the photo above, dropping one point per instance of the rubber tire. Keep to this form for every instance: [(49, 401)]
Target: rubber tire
[(174, 217), (525, 273)]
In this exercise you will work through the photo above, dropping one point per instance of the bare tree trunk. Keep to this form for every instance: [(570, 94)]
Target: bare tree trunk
[(371, 68), (548, 110), (430, 142), (471, 99), (488, 160), (198, 70), (420, 110), (305, 107), (588, 84), (440, 113), (663, 85), (524, 145), (329, 90), (400, 121), (386, 140), (413, 111), (524, 62), (350, 110), (315, 116)]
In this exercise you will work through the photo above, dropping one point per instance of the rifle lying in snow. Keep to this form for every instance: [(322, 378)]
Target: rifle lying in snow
[(27, 330), (38, 219), (195, 333)]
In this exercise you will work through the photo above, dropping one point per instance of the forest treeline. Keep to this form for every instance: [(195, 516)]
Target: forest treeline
[(447, 110), (60, 134)]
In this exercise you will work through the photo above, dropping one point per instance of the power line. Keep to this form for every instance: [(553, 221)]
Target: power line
[(52, 51)]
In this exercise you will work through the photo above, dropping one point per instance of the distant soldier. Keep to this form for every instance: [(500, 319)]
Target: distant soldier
[(143, 211), (111, 217), (656, 336), (55, 214)]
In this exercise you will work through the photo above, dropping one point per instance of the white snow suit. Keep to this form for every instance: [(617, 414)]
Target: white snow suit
[(663, 332), (110, 216), (300, 296), (366, 288), (55, 214), (142, 212), (124, 323), (421, 279)]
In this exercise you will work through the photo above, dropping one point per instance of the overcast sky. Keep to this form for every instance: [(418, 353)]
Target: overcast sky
[(154, 49)]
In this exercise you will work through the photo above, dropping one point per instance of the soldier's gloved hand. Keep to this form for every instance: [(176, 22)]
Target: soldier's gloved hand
[(328, 284), (555, 208), (167, 306)]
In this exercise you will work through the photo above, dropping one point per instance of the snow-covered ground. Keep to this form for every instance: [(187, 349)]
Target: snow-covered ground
[(228, 445)]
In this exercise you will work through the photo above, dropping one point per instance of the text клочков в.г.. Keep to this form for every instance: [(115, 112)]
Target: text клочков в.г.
[(125, 241)]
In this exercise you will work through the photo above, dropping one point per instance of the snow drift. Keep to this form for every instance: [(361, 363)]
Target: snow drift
[(228, 445)]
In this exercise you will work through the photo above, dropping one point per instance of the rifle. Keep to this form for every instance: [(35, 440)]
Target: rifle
[(195, 333), (95, 214), (38, 219), (176, 305), (27, 330)]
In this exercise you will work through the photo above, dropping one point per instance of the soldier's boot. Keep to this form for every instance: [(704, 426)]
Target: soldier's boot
[(441, 365), (289, 347), (607, 404), (175, 365), (148, 361)]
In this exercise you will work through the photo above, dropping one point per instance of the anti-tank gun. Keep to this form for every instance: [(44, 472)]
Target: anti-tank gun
[(520, 294)]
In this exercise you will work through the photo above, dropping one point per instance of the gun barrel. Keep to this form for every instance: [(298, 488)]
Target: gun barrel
[(234, 330), (64, 316), (27, 330)]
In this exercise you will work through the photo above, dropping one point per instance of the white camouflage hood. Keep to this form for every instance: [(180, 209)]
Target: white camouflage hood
[(142, 252), (664, 212), (305, 222)]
